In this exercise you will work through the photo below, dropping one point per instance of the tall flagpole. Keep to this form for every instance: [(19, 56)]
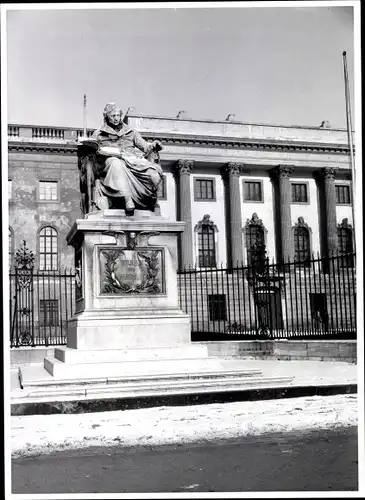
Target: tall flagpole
[(85, 115), (350, 140)]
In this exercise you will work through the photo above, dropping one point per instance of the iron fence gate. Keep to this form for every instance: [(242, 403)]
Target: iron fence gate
[(41, 303)]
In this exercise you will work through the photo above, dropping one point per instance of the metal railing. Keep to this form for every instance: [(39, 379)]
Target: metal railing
[(298, 300), (41, 304)]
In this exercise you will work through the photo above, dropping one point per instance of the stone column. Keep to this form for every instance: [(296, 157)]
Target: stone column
[(183, 170), (282, 175), (232, 171), (327, 176)]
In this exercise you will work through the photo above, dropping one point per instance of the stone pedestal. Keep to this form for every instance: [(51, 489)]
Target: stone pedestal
[(126, 293), (128, 338)]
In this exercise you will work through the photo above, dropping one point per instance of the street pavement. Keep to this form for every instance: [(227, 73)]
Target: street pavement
[(291, 444), (311, 460)]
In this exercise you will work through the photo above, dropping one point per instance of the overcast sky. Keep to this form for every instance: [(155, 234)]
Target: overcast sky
[(265, 65)]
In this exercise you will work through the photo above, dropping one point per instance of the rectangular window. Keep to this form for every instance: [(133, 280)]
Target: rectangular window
[(48, 313), (162, 194), (204, 189), (217, 307), (252, 191), (48, 190), (299, 193), (319, 313), (343, 194), (10, 189)]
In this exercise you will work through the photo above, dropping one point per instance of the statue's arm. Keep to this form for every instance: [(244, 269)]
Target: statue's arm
[(100, 154), (140, 143), (95, 134)]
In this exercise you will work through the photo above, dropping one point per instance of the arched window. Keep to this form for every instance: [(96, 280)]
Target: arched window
[(255, 236), (11, 246), (302, 250), (345, 244), (48, 249), (206, 230)]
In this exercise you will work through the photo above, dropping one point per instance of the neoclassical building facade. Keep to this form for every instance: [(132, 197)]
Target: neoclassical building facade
[(234, 185)]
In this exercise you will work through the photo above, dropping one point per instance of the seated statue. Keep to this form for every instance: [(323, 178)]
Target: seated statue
[(122, 179)]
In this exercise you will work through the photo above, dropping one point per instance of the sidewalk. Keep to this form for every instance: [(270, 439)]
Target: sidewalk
[(36, 434), (39, 434)]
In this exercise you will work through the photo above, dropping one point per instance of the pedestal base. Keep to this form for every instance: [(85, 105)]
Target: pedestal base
[(120, 330)]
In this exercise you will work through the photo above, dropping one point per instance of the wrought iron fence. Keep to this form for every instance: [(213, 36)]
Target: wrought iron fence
[(314, 298), (41, 303), (311, 299)]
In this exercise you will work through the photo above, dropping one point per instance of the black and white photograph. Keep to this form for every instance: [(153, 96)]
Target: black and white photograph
[(182, 241)]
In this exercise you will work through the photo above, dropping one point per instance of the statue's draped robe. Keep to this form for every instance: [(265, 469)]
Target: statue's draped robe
[(130, 176)]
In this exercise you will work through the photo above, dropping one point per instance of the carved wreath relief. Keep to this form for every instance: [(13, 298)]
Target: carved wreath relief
[(131, 267), (126, 271)]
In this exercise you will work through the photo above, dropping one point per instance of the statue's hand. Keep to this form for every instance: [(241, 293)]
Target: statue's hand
[(157, 146)]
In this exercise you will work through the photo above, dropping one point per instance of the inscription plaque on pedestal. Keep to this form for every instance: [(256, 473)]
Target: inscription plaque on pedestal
[(125, 271)]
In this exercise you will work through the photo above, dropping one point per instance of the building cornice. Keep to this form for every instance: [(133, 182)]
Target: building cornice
[(36, 147), (243, 143), (169, 139)]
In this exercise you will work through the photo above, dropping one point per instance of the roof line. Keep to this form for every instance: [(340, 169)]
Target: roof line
[(201, 120)]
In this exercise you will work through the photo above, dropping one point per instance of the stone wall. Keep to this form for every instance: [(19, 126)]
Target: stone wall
[(315, 350), (28, 214)]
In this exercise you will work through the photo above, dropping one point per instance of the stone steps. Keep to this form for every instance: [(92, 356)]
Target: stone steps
[(73, 356), (48, 389), (62, 370)]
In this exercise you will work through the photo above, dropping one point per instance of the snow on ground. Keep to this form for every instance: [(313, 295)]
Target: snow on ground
[(39, 434)]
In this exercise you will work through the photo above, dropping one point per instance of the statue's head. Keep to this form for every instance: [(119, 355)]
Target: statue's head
[(112, 114)]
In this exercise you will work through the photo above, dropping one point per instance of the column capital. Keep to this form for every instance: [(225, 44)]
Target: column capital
[(326, 173), (282, 171), (232, 169), (184, 167)]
